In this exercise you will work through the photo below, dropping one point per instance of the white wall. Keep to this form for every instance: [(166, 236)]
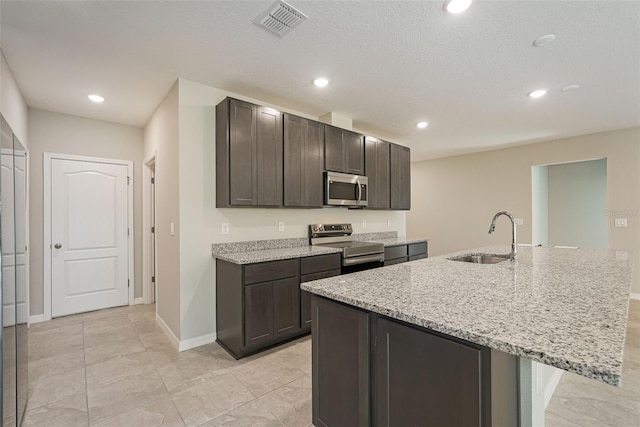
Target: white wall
[(577, 204), (161, 140), (454, 198), (12, 104), (200, 221), (64, 134)]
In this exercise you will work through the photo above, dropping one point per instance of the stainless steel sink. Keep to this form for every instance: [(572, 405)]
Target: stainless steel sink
[(481, 258)]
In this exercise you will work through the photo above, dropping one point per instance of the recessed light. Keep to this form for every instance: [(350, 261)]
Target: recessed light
[(543, 40), (538, 93), (321, 82), (422, 125), (96, 98), (570, 88), (457, 6)]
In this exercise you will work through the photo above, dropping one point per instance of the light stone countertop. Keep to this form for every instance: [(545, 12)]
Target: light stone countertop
[(250, 257), (396, 241), (563, 307)]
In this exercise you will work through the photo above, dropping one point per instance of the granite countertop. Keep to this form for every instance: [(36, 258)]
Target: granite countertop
[(395, 241), (250, 257), (562, 307)]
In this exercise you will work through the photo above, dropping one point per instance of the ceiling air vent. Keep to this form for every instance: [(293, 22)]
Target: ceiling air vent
[(280, 18)]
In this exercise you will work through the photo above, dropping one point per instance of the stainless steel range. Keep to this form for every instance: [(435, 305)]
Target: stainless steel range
[(356, 255)]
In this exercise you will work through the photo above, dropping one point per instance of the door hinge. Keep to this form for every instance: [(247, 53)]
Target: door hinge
[(128, 180), (153, 279), (127, 231), (153, 180), (153, 229)]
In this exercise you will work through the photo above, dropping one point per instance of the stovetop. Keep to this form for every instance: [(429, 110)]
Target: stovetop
[(339, 236)]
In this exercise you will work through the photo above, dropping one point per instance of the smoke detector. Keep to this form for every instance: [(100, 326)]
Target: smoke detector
[(279, 18)]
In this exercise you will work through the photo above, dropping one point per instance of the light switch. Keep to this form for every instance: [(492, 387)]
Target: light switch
[(225, 228), (281, 226), (172, 228), (364, 223), (621, 222)]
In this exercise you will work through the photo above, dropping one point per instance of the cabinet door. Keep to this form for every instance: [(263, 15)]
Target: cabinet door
[(340, 368), (400, 177), (305, 297), (353, 144), (423, 379), (242, 146), (258, 316), (303, 162), (286, 307), (268, 157), (377, 170), (333, 149)]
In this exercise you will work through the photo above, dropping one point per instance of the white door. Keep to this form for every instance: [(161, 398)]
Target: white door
[(89, 229)]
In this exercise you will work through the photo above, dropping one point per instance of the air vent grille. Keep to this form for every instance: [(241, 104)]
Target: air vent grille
[(280, 18)]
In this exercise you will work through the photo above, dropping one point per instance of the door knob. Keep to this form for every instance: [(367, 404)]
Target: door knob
[(57, 246)]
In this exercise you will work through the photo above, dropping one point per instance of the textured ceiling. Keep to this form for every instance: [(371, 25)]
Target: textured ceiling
[(391, 63)]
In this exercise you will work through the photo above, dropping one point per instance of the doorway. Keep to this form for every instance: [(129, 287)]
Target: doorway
[(570, 203), (88, 234), (150, 281)]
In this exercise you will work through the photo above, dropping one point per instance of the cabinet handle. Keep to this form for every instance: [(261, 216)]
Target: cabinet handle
[(57, 245)]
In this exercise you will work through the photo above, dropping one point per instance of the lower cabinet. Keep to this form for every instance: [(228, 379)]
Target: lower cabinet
[(403, 253), (373, 370), (315, 268)]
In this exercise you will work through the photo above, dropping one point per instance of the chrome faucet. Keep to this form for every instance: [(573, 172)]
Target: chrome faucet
[(492, 229)]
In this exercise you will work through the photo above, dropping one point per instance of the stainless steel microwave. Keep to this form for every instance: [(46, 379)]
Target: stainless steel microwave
[(342, 189)]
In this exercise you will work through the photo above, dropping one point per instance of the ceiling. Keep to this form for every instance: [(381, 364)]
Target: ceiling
[(391, 63)]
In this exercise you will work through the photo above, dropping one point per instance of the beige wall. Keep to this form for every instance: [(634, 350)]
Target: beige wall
[(454, 198), (64, 134), (12, 104), (161, 138)]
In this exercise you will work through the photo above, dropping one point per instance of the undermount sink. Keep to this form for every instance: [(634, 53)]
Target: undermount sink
[(481, 258)]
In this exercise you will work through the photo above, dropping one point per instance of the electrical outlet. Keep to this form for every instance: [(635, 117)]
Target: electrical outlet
[(620, 222), (518, 221), (364, 223), (225, 228), (622, 255), (281, 226), (388, 223), (172, 228)]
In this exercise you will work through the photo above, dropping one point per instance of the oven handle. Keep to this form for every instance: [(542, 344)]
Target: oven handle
[(363, 259)]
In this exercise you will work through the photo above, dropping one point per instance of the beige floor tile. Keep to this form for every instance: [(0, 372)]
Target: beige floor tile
[(146, 326), (64, 345), (159, 413), (553, 420), (138, 315), (299, 355), (51, 389), (103, 352), (58, 322), (291, 403), (268, 373), (101, 325), (104, 314), (55, 365), (188, 367), (210, 398), (117, 368), (251, 414), (109, 336), (53, 335), (122, 396), (67, 412), (154, 339)]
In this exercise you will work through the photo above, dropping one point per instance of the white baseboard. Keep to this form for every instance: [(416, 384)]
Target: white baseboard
[(551, 386), (634, 296), (186, 344), (168, 332), (197, 341), (38, 318), (137, 301)]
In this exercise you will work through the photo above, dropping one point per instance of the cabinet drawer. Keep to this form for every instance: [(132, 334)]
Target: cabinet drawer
[(415, 257), (417, 248), (318, 263), (272, 270), (393, 252), (319, 275), (394, 261)]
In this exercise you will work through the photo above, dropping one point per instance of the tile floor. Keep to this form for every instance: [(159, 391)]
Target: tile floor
[(117, 368)]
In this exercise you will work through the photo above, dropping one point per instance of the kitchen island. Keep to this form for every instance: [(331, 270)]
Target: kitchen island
[(565, 308)]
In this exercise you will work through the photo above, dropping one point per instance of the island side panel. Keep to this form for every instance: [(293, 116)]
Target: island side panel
[(340, 372)]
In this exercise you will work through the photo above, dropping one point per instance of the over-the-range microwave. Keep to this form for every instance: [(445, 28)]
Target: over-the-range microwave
[(342, 189)]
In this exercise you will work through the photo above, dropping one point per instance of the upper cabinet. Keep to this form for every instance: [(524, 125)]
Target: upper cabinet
[(400, 180), (377, 168), (249, 155), (303, 162), (343, 151)]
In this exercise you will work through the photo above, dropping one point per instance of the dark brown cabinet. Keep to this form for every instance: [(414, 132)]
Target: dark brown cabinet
[(343, 151), (257, 305), (340, 364), (303, 162), (249, 155), (400, 177), (315, 268), (403, 253), (423, 378), (377, 168)]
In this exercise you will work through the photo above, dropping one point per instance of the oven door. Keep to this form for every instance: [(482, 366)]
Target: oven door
[(342, 189), (361, 263)]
